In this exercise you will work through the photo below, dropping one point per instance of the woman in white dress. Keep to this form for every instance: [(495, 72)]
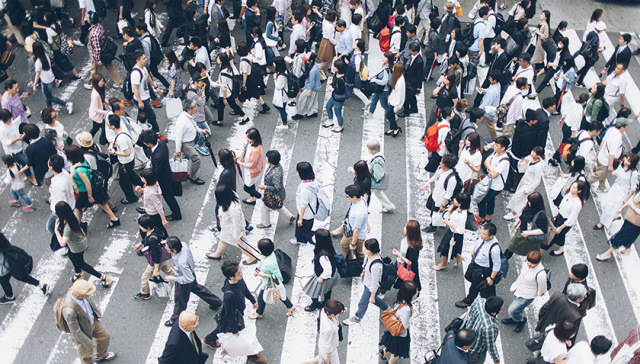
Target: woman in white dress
[(554, 348), (528, 183), (328, 338), (469, 157), (625, 184)]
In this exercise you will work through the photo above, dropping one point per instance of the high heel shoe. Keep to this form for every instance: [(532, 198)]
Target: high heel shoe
[(396, 132), (388, 132)]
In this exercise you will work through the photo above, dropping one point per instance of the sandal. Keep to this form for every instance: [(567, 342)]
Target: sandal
[(106, 281), (211, 256), (602, 257), (113, 223), (291, 311), (255, 316), (76, 277)]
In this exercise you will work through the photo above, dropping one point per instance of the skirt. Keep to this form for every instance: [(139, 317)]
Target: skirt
[(316, 290), (326, 51), (626, 236), (396, 345), (520, 245)]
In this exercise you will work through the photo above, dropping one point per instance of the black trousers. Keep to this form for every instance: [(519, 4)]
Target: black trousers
[(153, 69), (232, 104), (84, 31), (6, 285), (304, 233), (410, 102), (477, 275), (183, 291), (173, 23), (559, 238), (128, 178), (170, 199), (79, 265), (251, 190)]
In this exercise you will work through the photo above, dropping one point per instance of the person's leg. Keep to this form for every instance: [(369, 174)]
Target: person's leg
[(548, 76), (344, 244), (144, 279), (6, 285), (84, 354), (363, 304), (14, 196), (102, 337), (14, 29), (181, 293), (381, 303), (283, 114), (391, 116), (87, 268), (188, 149), (265, 215), (95, 128), (517, 307), (338, 110), (491, 203), (206, 295), (77, 261), (171, 24), (329, 107), (46, 92), (153, 69), (599, 175), (151, 115), (261, 303), (23, 196), (126, 179), (361, 96), (234, 106), (170, 199), (251, 190), (475, 279), (374, 102), (113, 72), (283, 210)]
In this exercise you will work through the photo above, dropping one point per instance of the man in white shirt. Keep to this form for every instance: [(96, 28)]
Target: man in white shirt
[(525, 69), (497, 165), (583, 353), (186, 132), (585, 137), (396, 36), (140, 81), (444, 185), (615, 87), (356, 223), (200, 56), (86, 6), (123, 148), (513, 98), (610, 149), (297, 33), (61, 189), (354, 27), (11, 140)]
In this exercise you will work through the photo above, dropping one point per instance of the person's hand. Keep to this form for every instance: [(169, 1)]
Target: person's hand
[(238, 333), (352, 247), (350, 169), (20, 174), (372, 300), (178, 154), (34, 87), (99, 62), (610, 169), (395, 253), (91, 200), (446, 221), (442, 208), (255, 273), (155, 274), (525, 234), (619, 211), (255, 306), (320, 280), (165, 223), (171, 93), (57, 224), (614, 173), (515, 225), (524, 192), (119, 17), (137, 247), (262, 187), (300, 221), (224, 101), (216, 40), (163, 29), (141, 104), (396, 110), (489, 281), (169, 278), (309, 94), (24, 95), (559, 229), (424, 187), (138, 189), (82, 22)]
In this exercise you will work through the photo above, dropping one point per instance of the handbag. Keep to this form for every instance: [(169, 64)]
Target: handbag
[(538, 238), (392, 322), (243, 344), (347, 231), (503, 109), (176, 187), (353, 267), (348, 91), (274, 292), (522, 166), (535, 343), (272, 200), (550, 46), (470, 184), (221, 319), (7, 58), (437, 219), (179, 167), (471, 223), (457, 323), (481, 189), (404, 272)]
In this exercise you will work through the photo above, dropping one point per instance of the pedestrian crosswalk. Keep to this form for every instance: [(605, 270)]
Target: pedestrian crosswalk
[(293, 339)]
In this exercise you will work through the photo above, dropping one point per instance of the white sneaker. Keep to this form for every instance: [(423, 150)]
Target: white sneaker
[(87, 86), (509, 216), (351, 321), (294, 241), (63, 251), (70, 107), (78, 43), (328, 124), (388, 210), (117, 85), (282, 127)]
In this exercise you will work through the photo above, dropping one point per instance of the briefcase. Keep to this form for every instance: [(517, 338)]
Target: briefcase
[(176, 187)]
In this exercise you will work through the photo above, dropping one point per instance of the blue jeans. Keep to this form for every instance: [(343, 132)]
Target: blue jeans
[(200, 137), (488, 203), (262, 304), (382, 97), (283, 114), (48, 99), (51, 223), (151, 115), (19, 194), (391, 116), (364, 303), (22, 160), (337, 106), (517, 306)]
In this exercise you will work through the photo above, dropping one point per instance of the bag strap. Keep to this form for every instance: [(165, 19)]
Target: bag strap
[(535, 218), (490, 249)]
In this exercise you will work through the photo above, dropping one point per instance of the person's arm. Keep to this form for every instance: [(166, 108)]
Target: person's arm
[(491, 334), (77, 334), (376, 272), (87, 184), (63, 239)]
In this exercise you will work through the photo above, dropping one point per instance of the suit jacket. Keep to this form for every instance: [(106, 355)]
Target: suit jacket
[(160, 164), (180, 350), (499, 63), (450, 353), (216, 16), (541, 128), (557, 309), (79, 323), (414, 74), (623, 57)]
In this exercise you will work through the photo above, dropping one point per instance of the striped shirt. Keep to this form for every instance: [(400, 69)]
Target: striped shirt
[(486, 328)]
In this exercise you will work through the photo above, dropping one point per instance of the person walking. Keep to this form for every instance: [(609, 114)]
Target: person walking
[(186, 132), (82, 316), (378, 171), (562, 307), (38, 153), (610, 149), (140, 81), (98, 108), (531, 283), (329, 337), (44, 73), (122, 148), (183, 344), (338, 89), (355, 228), (185, 280), (306, 194), (532, 221), (307, 104), (497, 165), (280, 97), (554, 347), (542, 34), (225, 84), (567, 216), (400, 346), (252, 162), (455, 218), (196, 93), (529, 181), (17, 184), (409, 252), (152, 196), (396, 98), (320, 285), (273, 185), (622, 189), (630, 229), (155, 252), (95, 42), (382, 86), (6, 273), (483, 321)]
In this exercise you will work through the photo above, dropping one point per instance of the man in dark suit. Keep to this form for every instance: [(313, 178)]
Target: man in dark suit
[(622, 54), (183, 345), (216, 13), (413, 76), (499, 63), (160, 164), (176, 20), (455, 347), (541, 128), (561, 307), (251, 19)]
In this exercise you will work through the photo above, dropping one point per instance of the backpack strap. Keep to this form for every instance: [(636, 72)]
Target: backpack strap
[(490, 249)]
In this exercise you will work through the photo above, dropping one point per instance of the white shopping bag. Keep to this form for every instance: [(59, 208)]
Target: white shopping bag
[(179, 167), (121, 25), (245, 344), (173, 107), (159, 288)]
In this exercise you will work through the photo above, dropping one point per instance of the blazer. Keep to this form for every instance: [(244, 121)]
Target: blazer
[(499, 63), (557, 309), (541, 128), (160, 164), (414, 74), (623, 57), (78, 321), (215, 15), (450, 353), (180, 350)]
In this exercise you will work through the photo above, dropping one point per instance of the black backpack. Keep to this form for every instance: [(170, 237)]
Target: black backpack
[(504, 264), (108, 51), (99, 184), (293, 87), (155, 53), (389, 273), (255, 78), (103, 163), (284, 263), (127, 88), (603, 113), (467, 33), (548, 272), (459, 184), (20, 263), (236, 83), (101, 8), (452, 140)]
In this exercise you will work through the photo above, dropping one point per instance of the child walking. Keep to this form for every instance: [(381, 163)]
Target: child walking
[(17, 184)]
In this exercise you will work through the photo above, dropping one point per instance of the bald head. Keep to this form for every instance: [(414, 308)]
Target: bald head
[(188, 321)]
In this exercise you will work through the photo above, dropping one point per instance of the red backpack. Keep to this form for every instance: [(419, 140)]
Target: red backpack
[(384, 39), (431, 140)]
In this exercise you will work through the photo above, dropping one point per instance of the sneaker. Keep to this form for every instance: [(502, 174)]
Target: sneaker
[(58, 82), (502, 6), (509, 216), (366, 115), (14, 203), (156, 103), (508, 321), (45, 289), (297, 117), (63, 251), (78, 43), (282, 127), (140, 296), (327, 124), (202, 150), (117, 85), (294, 241), (381, 296), (110, 356), (70, 107), (29, 208), (87, 86), (261, 226), (351, 321), (4, 300)]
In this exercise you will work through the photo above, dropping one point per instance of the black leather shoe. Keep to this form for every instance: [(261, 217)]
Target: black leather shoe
[(197, 181), (169, 323), (520, 325), (173, 218), (508, 321), (141, 210)]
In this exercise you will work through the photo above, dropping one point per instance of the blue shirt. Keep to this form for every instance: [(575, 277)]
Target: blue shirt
[(86, 307), (184, 266), (491, 96), (345, 43), (358, 217), (479, 32), (313, 81), (481, 254)]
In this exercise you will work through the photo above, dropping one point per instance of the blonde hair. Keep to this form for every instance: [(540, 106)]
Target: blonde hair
[(373, 145)]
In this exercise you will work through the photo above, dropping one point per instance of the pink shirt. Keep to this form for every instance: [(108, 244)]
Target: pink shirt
[(96, 109), (153, 200)]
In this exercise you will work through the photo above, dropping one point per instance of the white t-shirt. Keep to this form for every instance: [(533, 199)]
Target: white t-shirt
[(586, 147), (88, 6), (580, 353), (612, 144), (59, 128), (442, 188), (464, 171), (552, 348), (501, 165), (45, 76), (142, 81), (572, 114), (7, 134), (124, 142)]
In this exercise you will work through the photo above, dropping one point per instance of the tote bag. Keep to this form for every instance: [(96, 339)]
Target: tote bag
[(244, 344)]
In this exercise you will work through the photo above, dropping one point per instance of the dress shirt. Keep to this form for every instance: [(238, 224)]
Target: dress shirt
[(570, 208), (61, 189), (486, 328), (481, 254), (298, 33), (479, 32), (580, 353), (185, 130), (345, 43), (615, 87), (515, 109), (184, 266), (572, 114), (443, 190), (86, 307), (491, 99), (202, 56)]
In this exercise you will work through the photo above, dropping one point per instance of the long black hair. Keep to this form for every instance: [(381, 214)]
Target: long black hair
[(225, 63), (311, 59), (38, 52), (225, 196), (407, 290), (66, 216)]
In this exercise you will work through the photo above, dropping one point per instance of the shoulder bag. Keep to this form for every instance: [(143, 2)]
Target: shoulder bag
[(538, 238), (503, 109), (274, 292), (392, 322)]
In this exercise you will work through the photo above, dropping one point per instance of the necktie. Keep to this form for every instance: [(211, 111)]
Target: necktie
[(193, 341)]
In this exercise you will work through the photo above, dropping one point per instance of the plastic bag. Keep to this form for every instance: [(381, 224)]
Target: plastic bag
[(245, 344), (159, 287), (173, 107)]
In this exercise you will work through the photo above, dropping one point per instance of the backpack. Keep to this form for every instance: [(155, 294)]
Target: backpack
[(389, 273), (127, 88), (47, 48), (236, 83), (284, 262), (548, 272), (103, 163), (458, 181), (499, 23), (468, 36), (155, 53), (603, 113), (431, 140), (108, 51), (452, 141), (384, 40), (504, 264), (20, 263), (293, 85), (60, 304), (588, 188), (323, 204), (101, 8), (99, 184), (255, 78)]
